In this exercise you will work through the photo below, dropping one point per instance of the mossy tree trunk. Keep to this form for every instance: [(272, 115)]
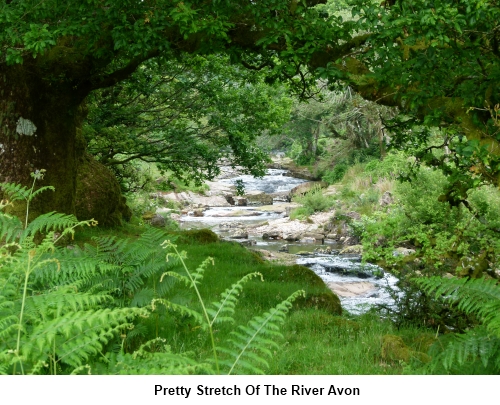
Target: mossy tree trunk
[(39, 120)]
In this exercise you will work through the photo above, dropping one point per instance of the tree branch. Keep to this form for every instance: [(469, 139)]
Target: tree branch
[(123, 73)]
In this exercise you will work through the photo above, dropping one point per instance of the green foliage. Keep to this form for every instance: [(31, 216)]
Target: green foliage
[(314, 201), (336, 174), (64, 310), (476, 351), (250, 343), (184, 115)]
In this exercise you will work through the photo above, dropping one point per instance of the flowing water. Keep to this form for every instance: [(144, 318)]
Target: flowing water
[(342, 270), (275, 181)]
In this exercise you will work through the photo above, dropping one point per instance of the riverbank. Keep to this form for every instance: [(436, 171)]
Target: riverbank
[(317, 339)]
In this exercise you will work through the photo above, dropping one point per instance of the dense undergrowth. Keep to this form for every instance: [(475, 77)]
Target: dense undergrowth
[(78, 299), (445, 251)]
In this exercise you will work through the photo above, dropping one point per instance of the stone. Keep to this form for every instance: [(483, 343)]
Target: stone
[(240, 201), (247, 242), (271, 235), (239, 234), (230, 225), (308, 239), (401, 251), (316, 236), (386, 199), (198, 212), (351, 289), (256, 197), (229, 198), (291, 237), (303, 188), (158, 221), (283, 248), (332, 236), (355, 249)]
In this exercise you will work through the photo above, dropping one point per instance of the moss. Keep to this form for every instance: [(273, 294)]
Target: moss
[(394, 349), (201, 236), (98, 194), (326, 301)]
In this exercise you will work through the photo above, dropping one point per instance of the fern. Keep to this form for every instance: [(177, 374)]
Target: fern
[(250, 344), (81, 310), (223, 310), (477, 296), (477, 350)]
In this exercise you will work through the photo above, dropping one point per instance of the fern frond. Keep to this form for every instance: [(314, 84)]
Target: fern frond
[(251, 339), (474, 352), (64, 299), (10, 228), (51, 221), (78, 335), (41, 190), (476, 296), (223, 310), (15, 191), (183, 310)]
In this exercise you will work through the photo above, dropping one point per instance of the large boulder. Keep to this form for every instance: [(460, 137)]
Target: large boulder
[(98, 194), (256, 197), (304, 188)]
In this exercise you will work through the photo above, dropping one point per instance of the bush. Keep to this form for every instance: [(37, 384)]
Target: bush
[(335, 175), (315, 200)]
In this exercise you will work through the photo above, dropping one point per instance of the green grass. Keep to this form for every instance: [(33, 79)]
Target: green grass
[(316, 339)]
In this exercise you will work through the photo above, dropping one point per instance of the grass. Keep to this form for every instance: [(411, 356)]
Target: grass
[(317, 343), (317, 340)]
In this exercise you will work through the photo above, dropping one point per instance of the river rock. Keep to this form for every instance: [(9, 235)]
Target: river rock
[(230, 225), (325, 251), (240, 201), (158, 221), (306, 187), (198, 212), (256, 197), (291, 237), (355, 249), (351, 289), (281, 196), (246, 242), (271, 235), (316, 236), (308, 239), (332, 236), (239, 234), (283, 248)]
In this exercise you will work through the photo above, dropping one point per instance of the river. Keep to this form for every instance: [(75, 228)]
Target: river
[(359, 286)]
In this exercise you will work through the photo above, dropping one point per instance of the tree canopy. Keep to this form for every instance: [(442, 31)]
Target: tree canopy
[(187, 115), (437, 61)]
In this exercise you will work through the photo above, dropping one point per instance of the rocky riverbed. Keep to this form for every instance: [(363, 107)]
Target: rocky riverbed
[(260, 219)]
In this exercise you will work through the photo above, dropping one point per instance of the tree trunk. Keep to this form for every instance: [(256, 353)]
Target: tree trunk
[(39, 119)]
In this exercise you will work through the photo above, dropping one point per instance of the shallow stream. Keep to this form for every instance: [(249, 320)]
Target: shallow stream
[(361, 285)]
